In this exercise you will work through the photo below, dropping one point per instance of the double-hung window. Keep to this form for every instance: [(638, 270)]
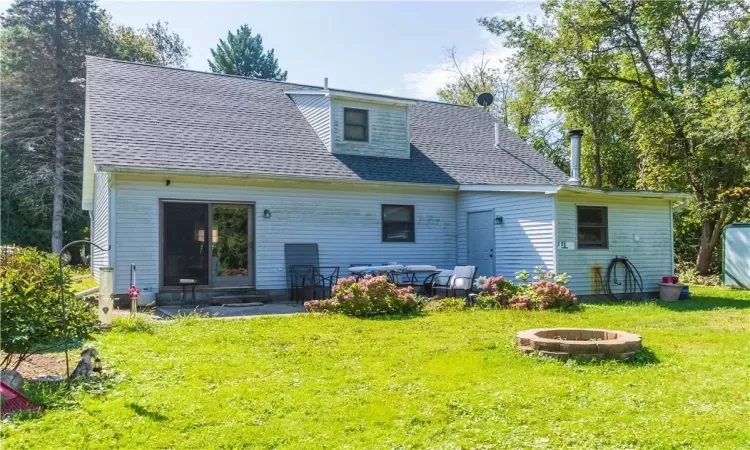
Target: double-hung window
[(592, 227), (398, 223), (356, 125)]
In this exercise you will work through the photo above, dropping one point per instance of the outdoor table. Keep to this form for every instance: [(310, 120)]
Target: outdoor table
[(394, 270), (184, 283)]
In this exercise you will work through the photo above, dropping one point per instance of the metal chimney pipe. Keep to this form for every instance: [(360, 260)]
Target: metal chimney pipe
[(497, 134), (325, 83), (575, 157)]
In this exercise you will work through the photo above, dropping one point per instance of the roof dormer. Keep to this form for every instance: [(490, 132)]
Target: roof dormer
[(352, 123)]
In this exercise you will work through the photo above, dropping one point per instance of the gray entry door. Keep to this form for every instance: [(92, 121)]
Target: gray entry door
[(481, 242)]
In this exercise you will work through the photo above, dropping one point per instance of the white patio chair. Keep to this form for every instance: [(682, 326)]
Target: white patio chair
[(462, 279)]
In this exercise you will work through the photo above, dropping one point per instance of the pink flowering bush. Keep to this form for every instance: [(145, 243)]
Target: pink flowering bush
[(368, 296), (543, 290), (497, 294), (523, 302), (551, 295)]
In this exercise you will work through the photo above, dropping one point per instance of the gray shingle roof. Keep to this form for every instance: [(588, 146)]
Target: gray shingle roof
[(150, 117)]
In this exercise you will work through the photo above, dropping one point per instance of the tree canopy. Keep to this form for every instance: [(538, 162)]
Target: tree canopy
[(43, 46), (243, 54), (660, 87)]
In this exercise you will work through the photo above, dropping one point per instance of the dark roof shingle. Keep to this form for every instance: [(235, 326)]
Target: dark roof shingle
[(150, 117)]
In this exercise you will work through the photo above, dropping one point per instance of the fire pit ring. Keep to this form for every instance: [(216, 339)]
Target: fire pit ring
[(579, 343)]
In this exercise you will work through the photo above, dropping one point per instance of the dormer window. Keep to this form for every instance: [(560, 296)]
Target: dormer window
[(356, 125)]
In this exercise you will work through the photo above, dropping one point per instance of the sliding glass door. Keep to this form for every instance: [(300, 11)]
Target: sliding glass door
[(185, 243), (231, 245), (221, 257)]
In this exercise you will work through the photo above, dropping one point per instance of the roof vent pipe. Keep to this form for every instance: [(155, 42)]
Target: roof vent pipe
[(497, 135), (325, 83), (575, 157)]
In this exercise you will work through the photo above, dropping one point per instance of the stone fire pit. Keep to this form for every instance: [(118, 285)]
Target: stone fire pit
[(579, 343)]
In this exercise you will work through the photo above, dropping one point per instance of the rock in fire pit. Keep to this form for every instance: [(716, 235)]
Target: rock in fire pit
[(579, 343)]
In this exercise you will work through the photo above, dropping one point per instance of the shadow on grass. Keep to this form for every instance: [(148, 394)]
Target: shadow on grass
[(703, 303), (643, 357), (145, 412), (391, 317)]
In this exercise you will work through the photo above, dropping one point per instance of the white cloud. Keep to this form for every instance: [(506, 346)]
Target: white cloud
[(387, 92), (425, 82)]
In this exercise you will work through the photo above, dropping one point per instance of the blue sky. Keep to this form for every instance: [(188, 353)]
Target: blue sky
[(383, 47)]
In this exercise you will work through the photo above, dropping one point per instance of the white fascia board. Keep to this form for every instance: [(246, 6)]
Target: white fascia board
[(372, 98), (356, 96), (540, 188), (280, 178), (323, 92), (634, 193)]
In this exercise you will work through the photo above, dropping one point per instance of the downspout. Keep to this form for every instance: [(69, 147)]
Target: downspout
[(671, 239)]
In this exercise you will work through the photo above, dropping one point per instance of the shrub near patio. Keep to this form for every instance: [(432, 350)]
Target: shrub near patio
[(545, 290), (368, 296)]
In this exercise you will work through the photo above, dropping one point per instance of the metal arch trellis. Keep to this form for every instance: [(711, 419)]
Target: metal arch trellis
[(62, 297)]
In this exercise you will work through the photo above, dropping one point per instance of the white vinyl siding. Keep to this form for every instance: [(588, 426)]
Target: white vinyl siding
[(387, 126), (524, 240), (317, 111), (346, 225), (648, 220), (100, 223)]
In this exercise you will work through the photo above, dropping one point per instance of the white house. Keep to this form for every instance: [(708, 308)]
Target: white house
[(187, 171)]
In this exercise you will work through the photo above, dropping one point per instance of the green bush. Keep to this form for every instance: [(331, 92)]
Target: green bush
[(133, 325), (446, 305), (687, 274), (31, 309), (543, 290), (368, 296)]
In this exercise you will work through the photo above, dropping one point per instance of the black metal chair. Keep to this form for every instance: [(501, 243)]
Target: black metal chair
[(324, 279), (300, 279), (438, 280)]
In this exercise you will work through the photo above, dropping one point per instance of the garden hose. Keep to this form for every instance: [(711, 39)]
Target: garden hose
[(632, 282)]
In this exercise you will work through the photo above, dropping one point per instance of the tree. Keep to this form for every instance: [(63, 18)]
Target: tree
[(243, 54), (682, 68), (42, 54)]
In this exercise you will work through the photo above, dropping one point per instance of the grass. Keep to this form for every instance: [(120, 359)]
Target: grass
[(443, 380), (82, 284)]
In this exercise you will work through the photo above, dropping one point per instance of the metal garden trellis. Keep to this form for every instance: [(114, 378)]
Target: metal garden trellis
[(62, 298)]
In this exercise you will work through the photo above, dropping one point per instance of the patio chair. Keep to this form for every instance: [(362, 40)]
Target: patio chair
[(300, 255), (436, 280), (461, 280), (323, 280), (300, 280)]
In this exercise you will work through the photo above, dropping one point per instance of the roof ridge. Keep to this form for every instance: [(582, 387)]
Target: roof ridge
[(202, 72)]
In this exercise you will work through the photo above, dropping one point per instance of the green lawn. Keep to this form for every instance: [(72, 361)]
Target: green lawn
[(82, 284), (446, 380)]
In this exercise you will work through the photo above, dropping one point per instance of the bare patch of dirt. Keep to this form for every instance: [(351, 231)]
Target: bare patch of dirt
[(45, 364)]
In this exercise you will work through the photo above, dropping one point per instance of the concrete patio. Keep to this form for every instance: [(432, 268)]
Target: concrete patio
[(234, 312)]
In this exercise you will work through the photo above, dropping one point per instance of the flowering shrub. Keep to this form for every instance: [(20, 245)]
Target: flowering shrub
[(552, 295), (543, 290), (500, 292), (523, 302), (368, 296)]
